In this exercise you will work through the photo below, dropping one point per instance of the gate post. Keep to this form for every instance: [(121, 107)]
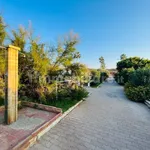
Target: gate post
[(11, 95)]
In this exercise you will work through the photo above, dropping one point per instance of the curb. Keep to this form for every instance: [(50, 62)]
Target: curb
[(98, 86), (70, 109), (55, 122), (147, 103), (90, 93), (32, 138)]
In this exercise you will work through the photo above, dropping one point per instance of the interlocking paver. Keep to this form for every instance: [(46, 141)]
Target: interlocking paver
[(107, 120)]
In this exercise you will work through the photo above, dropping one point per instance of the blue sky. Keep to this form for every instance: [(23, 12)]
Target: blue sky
[(106, 28)]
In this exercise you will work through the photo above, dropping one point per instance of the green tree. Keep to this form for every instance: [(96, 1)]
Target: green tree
[(95, 74), (3, 35), (19, 37), (79, 71), (128, 65), (2, 58), (123, 57), (77, 56), (135, 62), (2, 31), (65, 53), (102, 63), (40, 58)]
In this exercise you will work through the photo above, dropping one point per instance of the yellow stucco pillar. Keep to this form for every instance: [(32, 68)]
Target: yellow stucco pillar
[(11, 97)]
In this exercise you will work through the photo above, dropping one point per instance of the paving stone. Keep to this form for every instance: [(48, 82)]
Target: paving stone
[(107, 120), (54, 147), (39, 147)]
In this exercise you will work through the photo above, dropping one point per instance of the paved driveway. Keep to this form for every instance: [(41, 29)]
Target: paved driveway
[(106, 121)]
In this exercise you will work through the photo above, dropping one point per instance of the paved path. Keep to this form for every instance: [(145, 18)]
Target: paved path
[(106, 121)]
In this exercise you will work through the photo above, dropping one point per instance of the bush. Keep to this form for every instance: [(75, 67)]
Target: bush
[(116, 76), (64, 93), (72, 94), (132, 62), (127, 66), (137, 94), (104, 75), (2, 94), (140, 77), (123, 76), (67, 98), (79, 94), (138, 87), (95, 75), (94, 84), (1, 101)]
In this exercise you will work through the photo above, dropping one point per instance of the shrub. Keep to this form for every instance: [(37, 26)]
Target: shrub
[(104, 75), (2, 94), (116, 76), (123, 76), (1, 101), (94, 84), (78, 94), (138, 87), (140, 77), (132, 62), (138, 94), (127, 66), (64, 93), (125, 73), (95, 75), (67, 97)]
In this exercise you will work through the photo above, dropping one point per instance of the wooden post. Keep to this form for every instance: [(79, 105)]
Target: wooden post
[(11, 96)]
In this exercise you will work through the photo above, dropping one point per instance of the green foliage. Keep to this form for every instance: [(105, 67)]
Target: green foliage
[(123, 57), (127, 66), (138, 93), (70, 98), (19, 37), (134, 72), (66, 51), (67, 97), (95, 75), (2, 62), (78, 69), (140, 77), (79, 94), (138, 86), (123, 76), (132, 62), (3, 33), (102, 62), (37, 61), (1, 101), (1, 91), (71, 93), (64, 104), (79, 72), (104, 75), (94, 84), (41, 61)]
